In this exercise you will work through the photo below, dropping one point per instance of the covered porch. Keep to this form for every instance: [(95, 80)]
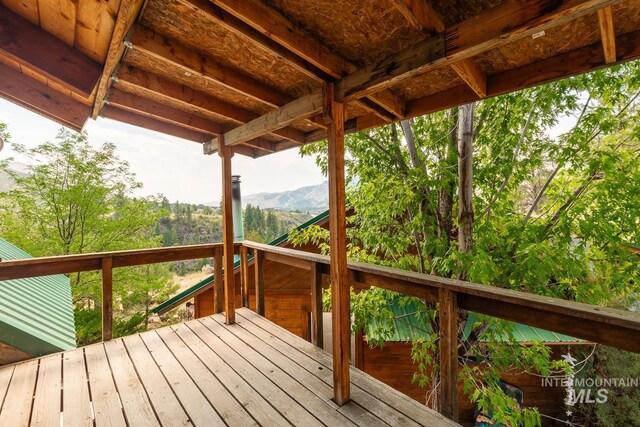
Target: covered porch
[(254, 78)]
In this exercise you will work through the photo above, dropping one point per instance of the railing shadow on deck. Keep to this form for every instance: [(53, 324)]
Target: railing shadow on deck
[(616, 328)]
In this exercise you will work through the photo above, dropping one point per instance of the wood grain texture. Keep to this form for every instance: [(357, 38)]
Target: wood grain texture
[(607, 34), (218, 282), (155, 110), (107, 298), (30, 45), (127, 15), (340, 289), (41, 99), (448, 351), (420, 14), (258, 265), (227, 232), (317, 331), (473, 76)]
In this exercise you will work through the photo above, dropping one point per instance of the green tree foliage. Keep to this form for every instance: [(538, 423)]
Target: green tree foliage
[(262, 225), (554, 212), (80, 199)]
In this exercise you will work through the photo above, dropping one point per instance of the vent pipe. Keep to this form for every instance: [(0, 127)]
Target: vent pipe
[(236, 206)]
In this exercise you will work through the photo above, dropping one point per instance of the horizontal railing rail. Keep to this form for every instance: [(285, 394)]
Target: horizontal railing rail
[(616, 328), (106, 262)]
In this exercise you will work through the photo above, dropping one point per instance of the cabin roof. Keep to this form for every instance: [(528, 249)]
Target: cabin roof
[(36, 314), (206, 283), (409, 323), (198, 69)]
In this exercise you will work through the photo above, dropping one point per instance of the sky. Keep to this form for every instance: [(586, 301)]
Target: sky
[(165, 164)]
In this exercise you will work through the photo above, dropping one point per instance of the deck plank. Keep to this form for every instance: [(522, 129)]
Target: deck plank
[(195, 403), (16, 408), (295, 413), (166, 404), (318, 406), (46, 404), (409, 407), (253, 402), (307, 378), (6, 373), (220, 398), (76, 404), (135, 403), (104, 395)]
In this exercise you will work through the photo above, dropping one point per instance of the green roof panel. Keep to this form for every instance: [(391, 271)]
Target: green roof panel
[(36, 313)]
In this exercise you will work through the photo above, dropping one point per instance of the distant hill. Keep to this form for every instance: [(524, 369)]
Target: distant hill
[(6, 183), (313, 198)]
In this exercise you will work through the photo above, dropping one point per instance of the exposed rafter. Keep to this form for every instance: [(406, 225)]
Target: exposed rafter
[(420, 14), (127, 15), (164, 90), (272, 24), (473, 76), (499, 26), (431, 53), (42, 99), (29, 45), (158, 111), (607, 34)]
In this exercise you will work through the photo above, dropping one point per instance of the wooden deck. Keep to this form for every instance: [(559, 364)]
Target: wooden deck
[(200, 373)]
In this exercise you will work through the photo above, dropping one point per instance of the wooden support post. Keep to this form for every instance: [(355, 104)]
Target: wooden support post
[(244, 275), (316, 305), (448, 312), (227, 232), (340, 292), (107, 298), (218, 286), (258, 265)]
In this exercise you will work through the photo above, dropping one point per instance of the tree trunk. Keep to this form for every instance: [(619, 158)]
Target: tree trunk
[(465, 180), (448, 189)]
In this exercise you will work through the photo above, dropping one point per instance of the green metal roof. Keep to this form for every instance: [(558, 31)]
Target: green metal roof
[(36, 314), (410, 323), (189, 293)]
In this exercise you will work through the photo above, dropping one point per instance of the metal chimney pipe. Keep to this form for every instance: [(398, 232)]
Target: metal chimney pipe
[(236, 206)]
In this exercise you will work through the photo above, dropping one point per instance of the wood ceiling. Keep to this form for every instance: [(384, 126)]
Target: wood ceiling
[(254, 70)]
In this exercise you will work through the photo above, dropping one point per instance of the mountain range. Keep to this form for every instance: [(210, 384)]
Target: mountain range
[(313, 198)]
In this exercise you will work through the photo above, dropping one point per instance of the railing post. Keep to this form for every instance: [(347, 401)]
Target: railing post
[(227, 232), (340, 290), (244, 275), (218, 287), (316, 305), (258, 265), (448, 313), (107, 298)]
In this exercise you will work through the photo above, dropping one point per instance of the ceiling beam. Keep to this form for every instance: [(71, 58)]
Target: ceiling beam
[(607, 34), (191, 62), (134, 119), (473, 76), (41, 99), (161, 89), (301, 108), (579, 61), (420, 15), (496, 27), (31, 46), (273, 25), (127, 14), (155, 110)]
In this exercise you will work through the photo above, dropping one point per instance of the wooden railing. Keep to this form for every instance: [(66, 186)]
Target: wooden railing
[(106, 262), (616, 328)]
